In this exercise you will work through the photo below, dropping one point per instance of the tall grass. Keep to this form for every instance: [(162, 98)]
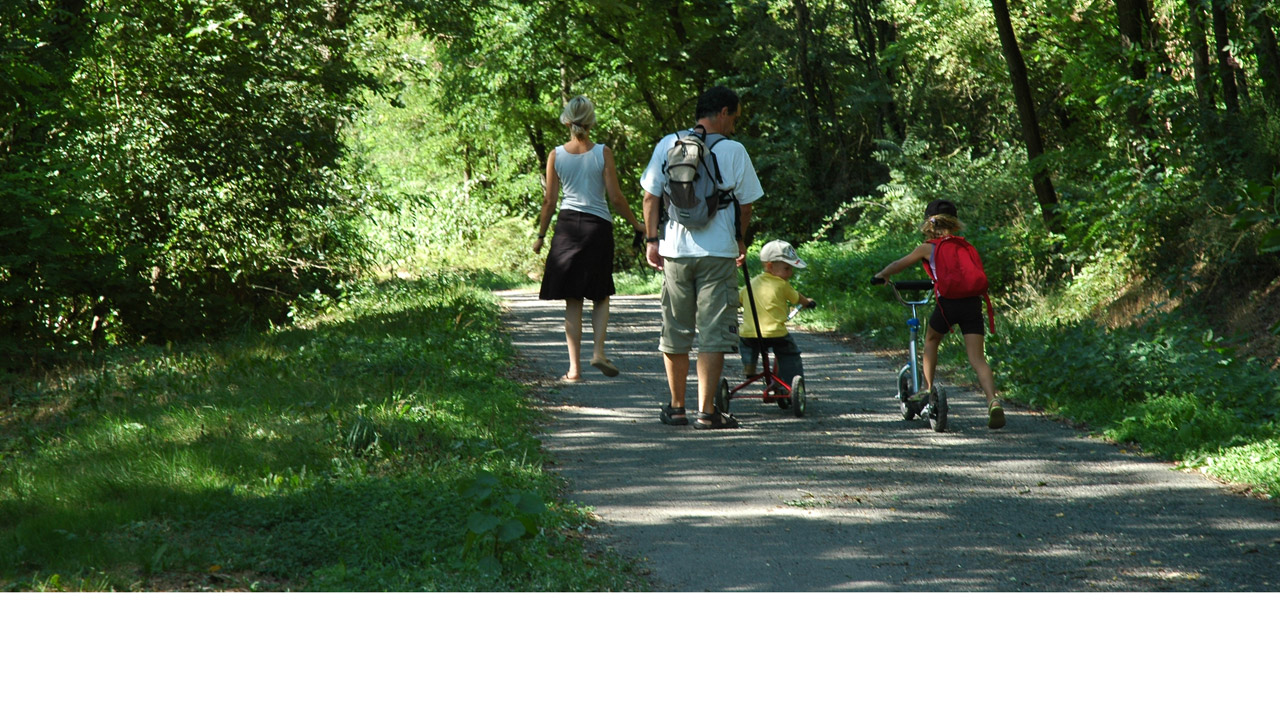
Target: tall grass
[(341, 454)]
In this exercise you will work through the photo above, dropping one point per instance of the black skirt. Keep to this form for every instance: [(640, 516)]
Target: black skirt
[(580, 260)]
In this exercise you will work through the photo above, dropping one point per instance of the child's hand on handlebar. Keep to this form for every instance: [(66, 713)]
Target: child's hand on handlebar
[(877, 280), (811, 304)]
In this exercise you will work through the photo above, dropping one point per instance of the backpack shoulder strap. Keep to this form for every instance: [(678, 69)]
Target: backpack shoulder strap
[(715, 163), (927, 265)]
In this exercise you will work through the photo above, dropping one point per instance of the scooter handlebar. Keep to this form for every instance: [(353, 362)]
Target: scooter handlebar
[(914, 284)]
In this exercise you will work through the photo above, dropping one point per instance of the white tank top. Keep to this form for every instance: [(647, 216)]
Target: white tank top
[(582, 178)]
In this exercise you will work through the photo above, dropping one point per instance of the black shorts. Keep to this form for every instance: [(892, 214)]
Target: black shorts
[(965, 312)]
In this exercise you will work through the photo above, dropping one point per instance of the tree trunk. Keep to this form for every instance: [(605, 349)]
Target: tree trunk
[(537, 139), (1045, 193), (1130, 17), (1133, 37), (1199, 42), (1268, 55), (1226, 63), (808, 82), (873, 36)]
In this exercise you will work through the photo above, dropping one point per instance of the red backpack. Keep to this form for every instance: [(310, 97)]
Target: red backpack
[(957, 272)]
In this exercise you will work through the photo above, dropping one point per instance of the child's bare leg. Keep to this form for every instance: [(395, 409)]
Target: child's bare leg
[(932, 339), (973, 346)]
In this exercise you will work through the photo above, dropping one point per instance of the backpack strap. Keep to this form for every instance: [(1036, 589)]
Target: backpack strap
[(715, 164), (725, 195), (928, 264)]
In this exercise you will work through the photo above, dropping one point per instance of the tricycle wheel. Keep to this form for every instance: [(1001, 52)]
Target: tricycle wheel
[(722, 396), (797, 396)]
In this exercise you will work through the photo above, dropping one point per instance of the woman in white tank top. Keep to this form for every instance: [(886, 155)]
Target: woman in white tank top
[(580, 261)]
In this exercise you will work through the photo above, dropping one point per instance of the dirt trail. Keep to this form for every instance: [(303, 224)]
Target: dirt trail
[(852, 497)]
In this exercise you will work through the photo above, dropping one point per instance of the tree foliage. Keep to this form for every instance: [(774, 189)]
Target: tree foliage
[(172, 168), (844, 98)]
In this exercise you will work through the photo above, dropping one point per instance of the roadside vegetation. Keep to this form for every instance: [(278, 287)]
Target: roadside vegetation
[(1171, 385), (377, 444)]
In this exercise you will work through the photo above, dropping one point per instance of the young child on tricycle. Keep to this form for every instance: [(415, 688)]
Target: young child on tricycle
[(773, 297)]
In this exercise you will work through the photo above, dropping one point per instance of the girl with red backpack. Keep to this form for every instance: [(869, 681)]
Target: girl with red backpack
[(960, 285)]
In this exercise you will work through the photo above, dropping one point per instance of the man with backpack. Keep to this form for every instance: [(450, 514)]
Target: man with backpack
[(960, 285), (699, 189)]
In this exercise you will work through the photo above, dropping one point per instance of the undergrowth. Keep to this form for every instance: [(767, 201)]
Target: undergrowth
[(1171, 385), (377, 445)]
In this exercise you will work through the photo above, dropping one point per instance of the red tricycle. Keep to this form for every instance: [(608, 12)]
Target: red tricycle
[(774, 389)]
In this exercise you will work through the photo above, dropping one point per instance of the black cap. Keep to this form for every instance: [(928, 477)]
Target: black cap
[(940, 207)]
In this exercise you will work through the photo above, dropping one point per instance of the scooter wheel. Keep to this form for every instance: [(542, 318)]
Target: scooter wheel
[(938, 414), (904, 392)]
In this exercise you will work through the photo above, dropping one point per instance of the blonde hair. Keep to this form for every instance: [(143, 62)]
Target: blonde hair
[(941, 226), (579, 114)]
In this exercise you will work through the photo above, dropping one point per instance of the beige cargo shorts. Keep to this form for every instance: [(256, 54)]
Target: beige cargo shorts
[(699, 295)]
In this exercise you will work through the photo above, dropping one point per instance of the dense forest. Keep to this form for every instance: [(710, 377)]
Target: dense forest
[(178, 168)]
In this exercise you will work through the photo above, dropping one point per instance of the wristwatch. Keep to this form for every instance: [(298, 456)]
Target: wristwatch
[(653, 239)]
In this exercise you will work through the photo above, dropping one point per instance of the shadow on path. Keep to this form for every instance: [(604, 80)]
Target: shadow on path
[(852, 497)]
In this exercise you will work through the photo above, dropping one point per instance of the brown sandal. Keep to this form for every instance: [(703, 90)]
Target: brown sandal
[(715, 421), (606, 367)]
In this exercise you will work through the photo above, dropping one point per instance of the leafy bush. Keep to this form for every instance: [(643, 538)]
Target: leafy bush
[(1178, 426), (180, 168)]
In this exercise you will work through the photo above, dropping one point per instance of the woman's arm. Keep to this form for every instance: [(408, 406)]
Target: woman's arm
[(906, 261), (548, 200), (616, 198)]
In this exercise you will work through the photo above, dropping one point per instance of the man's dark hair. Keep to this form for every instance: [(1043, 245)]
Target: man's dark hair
[(713, 99)]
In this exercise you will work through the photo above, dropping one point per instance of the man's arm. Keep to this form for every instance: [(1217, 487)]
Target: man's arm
[(744, 219), (652, 208)]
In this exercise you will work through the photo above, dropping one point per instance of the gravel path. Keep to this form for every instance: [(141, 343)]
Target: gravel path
[(852, 497)]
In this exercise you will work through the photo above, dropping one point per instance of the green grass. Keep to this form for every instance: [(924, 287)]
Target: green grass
[(638, 281), (341, 454), (1172, 386)]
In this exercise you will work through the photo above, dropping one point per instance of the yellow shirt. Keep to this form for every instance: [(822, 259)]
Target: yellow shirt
[(773, 295)]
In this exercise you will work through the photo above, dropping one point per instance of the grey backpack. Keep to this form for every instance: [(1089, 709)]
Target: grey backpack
[(692, 176)]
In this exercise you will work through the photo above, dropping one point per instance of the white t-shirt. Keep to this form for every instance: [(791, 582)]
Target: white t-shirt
[(716, 239)]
